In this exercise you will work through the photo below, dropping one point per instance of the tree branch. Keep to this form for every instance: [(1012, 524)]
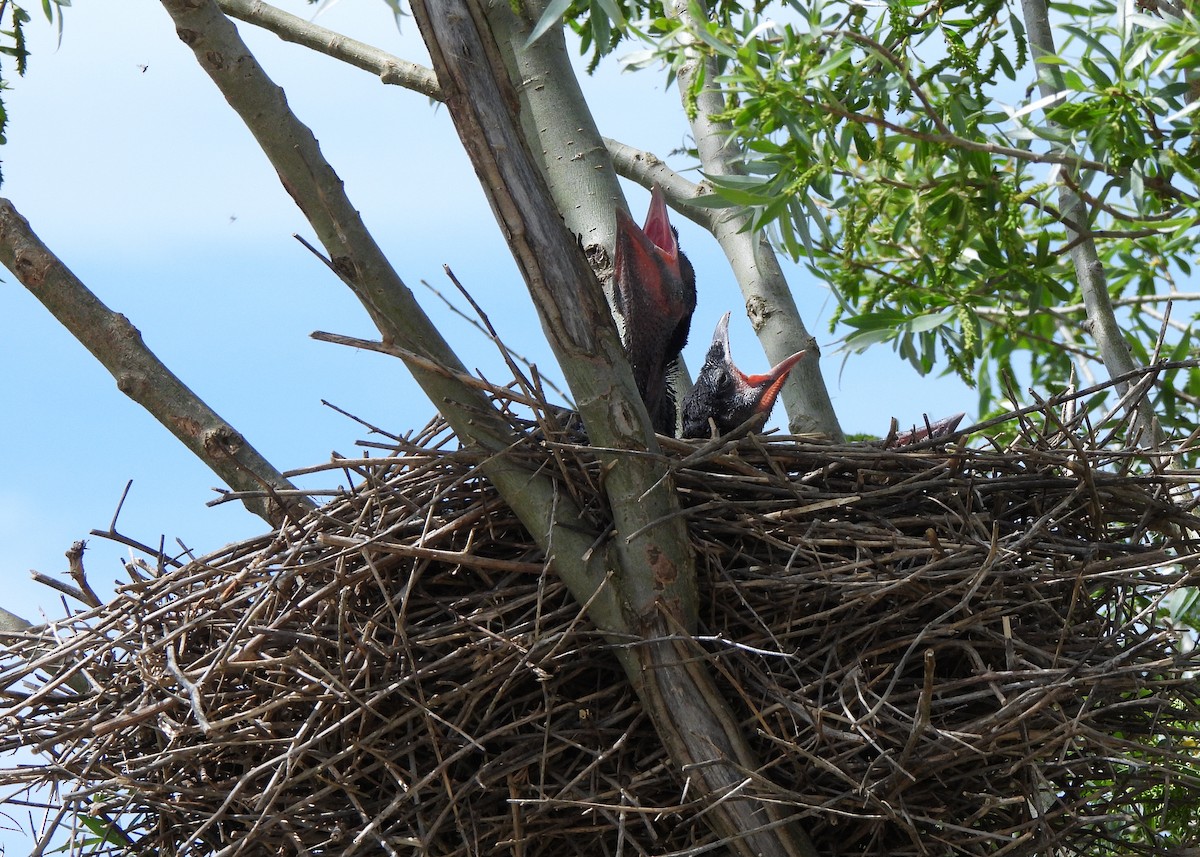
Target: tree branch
[(12, 625), (957, 142), (549, 514), (575, 163), (647, 169), (391, 69), (569, 301), (946, 137), (1101, 319), (769, 302), (579, 175), (546, 75), (141, 376), (656, 572), (1131, 300), (577, 166)]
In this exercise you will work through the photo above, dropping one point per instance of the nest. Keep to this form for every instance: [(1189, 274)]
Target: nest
[(948, 651)]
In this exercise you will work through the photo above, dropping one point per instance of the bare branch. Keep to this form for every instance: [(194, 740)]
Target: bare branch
[(545, 78), (62, 586), (656, 571), (391, 69), (1140, 301), (510, 355), (408, 356), (140, 375), (647, 169), (957, 142), (769, 302), (12, 625), (549, 516), (1101, 319), (75, 569)]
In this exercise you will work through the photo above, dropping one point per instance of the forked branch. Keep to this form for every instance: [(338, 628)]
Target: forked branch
[(310, 180), (656, 572)]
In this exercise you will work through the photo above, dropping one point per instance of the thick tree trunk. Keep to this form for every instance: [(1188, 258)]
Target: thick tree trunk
[(656, 572)]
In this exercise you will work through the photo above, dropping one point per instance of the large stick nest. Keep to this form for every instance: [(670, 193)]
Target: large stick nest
[(949, 651)]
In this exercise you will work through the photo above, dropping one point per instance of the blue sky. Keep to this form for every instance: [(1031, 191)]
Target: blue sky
[(130, 166)]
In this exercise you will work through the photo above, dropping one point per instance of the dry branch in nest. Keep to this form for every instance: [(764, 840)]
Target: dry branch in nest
[(949, 651)]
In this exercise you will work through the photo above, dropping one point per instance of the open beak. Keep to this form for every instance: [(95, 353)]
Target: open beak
[(762, 389), (940, 428), (649, 255)]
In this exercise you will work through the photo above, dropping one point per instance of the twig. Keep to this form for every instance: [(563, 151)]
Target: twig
[(484, 325), (228, 496), (75, 563), (452, 558), (321, 256), (112, 525), (1123, 380), (391, 69), (421, 362), (62, 586), (112, 535), (193, 691)]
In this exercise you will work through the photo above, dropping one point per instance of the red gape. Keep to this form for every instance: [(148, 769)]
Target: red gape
[(655, 293), (725, 394)]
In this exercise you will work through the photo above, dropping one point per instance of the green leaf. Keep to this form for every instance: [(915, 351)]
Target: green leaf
[(1072, 9), (1093, 42), (1003, 63), (1073, 81), (817, 216), (713, 42), (555, 10), (831, 63), (610, 10), (928, 322), (712, 200), (1096, 72), (860, 341), (106, 832), (886, 318), (601, 27)]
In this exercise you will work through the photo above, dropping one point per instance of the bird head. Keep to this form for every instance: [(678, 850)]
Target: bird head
[(940, 428), (655, 293), (648, 257), (725, 394)]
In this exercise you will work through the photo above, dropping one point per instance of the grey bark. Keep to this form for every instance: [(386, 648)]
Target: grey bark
[(768, 298), (1101, 321), (140, 375), (656, 573), (547, 512)]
